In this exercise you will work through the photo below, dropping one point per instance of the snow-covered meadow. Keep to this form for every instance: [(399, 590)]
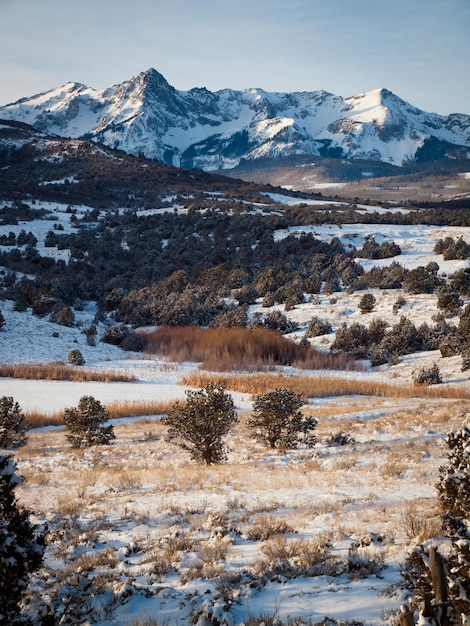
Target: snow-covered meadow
[(290, 535)]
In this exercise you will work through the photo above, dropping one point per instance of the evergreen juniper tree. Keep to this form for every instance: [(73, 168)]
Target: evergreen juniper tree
[(12, 424), (21, 546), (85, 424), (441, 586), (200, 424), (278, 422)]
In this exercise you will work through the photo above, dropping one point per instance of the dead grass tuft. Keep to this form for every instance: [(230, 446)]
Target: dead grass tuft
[(295, 557), (420, 524)]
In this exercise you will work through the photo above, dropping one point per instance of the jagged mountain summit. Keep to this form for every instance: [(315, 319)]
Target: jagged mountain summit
[(217, 130)]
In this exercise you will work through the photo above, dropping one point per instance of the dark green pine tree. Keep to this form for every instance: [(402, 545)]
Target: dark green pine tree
[(12, 424), (200, 424), (85, 424), (21, 547), (277, 421)]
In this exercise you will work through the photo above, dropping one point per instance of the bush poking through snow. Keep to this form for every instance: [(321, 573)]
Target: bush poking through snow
[(427, 375), (317, 328), (277, 421), (12, 424), (85, 424), (367, 303), (76, 357), (339, 439), (200, 424), (21, 547), (64, 317)]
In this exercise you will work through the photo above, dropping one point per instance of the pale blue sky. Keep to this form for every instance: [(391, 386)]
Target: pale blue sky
[(419, 49)]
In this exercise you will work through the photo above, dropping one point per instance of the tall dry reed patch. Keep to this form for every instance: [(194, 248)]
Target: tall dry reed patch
[(225, 349), (116, 409), (58, 371), (37, 419), (137, 408), (322, 386)]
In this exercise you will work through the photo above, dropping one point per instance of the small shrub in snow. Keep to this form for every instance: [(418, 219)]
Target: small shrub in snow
[(268, 300), (233, 318), (403, 338), (12, 424), (76, 357), (378, 355), (453, 343), (200, 424), (115, 335), (90, 334), (367, 303), (277, 421), (427, 375), (317, 327), (376, 330), (420, 280), (246, 295), (339, 439), (353, 339), (464, 322), (64, 317), (2, 320), (279, 322), (363, 562), (400, 302), (85, 424), (448, 299)]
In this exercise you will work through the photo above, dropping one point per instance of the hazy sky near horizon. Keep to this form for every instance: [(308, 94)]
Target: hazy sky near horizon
[(419, 49)]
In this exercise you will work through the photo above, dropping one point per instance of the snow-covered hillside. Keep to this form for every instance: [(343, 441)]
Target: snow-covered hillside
[(31, 339), (140, 535), (198, 128)]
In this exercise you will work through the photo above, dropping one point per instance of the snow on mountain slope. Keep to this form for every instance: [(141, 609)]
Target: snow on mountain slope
[(199, 128)]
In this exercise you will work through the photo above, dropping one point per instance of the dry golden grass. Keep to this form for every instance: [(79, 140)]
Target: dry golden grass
[(55, 371), (323, 386), (116, 409), (418, 522)]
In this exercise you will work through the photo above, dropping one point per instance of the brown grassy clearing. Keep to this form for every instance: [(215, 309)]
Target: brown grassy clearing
[(58, 371), (324, 386), (225, 349)]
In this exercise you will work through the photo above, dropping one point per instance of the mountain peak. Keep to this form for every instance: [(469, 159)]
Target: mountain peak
[(216, 130), (152, 75)]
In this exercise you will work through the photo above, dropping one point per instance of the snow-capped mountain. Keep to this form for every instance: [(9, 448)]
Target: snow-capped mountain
[(216, 130)]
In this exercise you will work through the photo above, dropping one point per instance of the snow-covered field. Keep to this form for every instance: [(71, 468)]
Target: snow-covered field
[(296, 534), (300, 534)]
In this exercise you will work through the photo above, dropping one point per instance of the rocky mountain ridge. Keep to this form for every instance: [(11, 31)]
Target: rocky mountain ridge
[(218, 130)]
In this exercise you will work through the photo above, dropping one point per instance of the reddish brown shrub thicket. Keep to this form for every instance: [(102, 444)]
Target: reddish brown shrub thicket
[(223, 349)]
